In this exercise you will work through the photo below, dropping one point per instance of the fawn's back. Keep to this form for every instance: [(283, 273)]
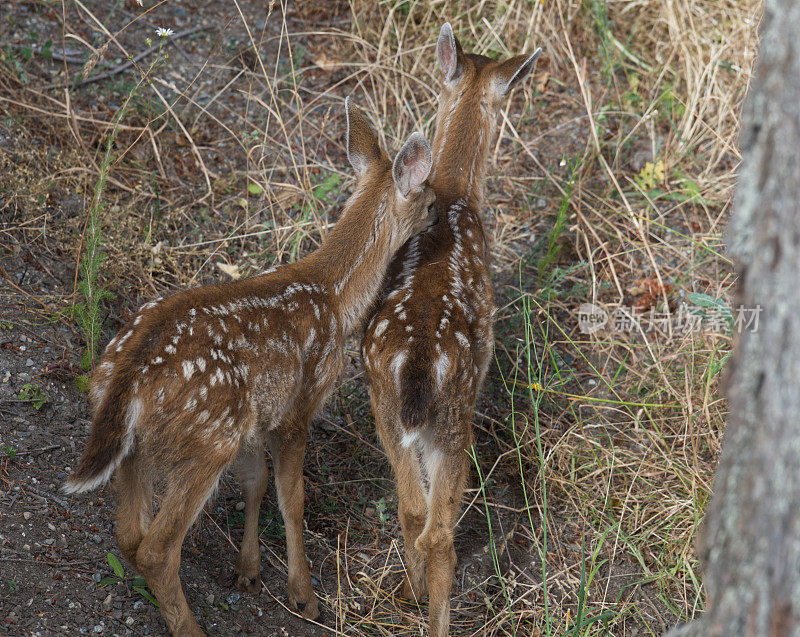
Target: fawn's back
[(209, 364), (429, 345)]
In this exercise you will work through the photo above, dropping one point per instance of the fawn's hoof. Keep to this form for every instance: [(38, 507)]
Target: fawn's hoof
[(248, 584), (304, 601), (188, 628)]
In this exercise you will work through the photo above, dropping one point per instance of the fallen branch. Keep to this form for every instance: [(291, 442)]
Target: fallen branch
[(129, 63)]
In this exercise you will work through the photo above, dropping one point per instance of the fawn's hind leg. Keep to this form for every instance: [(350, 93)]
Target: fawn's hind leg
[(251, 469), (447, 476), (412, 508), (287, 454), (159, 554), (134, 509)]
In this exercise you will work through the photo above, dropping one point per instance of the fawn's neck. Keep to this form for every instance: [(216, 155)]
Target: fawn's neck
[(354, 257), (460, 150)]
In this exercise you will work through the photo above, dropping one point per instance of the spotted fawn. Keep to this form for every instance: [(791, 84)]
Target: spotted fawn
[(427, 349), (197, 382)]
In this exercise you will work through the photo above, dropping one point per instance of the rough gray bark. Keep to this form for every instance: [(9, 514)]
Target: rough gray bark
[(750, 544)]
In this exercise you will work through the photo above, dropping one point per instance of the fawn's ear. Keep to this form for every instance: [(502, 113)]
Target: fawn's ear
[(362, 143), (412, 164), (449, 54), (513, 71)]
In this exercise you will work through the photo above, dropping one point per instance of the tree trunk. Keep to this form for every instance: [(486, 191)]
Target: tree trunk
[(750, 543)]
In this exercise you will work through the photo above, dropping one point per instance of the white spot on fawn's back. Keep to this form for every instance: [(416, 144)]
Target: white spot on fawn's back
[(123, 339), (397, 364), (381, 327), (440, 367)]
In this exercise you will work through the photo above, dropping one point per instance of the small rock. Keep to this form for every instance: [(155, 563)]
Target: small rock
[(641, 157), (240, 506), (29, 362), (129, 621), (233, 598), (96, 539), (210, 598), (137, 605), (98, 628), (27, 515), (26, 547)]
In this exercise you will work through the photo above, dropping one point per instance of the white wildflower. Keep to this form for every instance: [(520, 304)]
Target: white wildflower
[(164, 33)]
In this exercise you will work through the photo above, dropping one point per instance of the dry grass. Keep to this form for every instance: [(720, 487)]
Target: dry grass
[(596, 453)]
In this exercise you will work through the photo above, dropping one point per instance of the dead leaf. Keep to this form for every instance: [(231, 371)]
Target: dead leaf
[(652, 291), (327, 63), (232, 270), (507, 219), (651, 285), (541, 81)]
